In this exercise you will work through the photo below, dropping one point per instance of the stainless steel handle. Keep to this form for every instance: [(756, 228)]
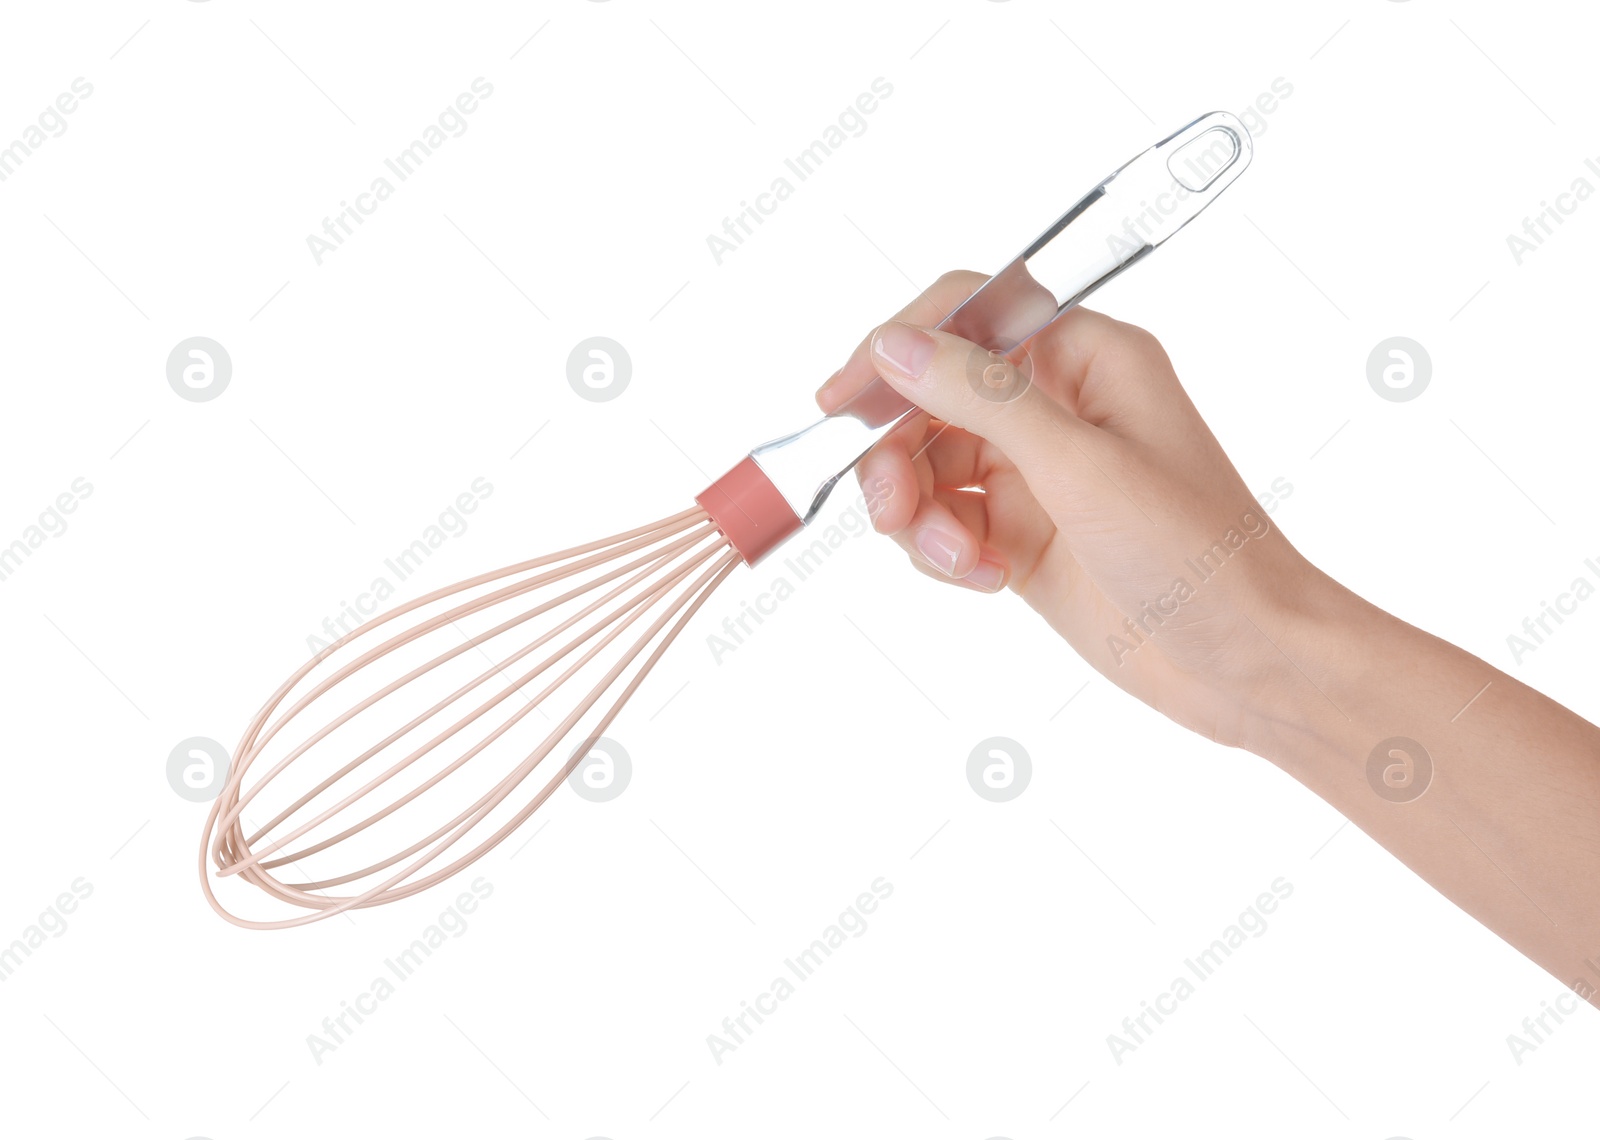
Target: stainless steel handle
[(1132, 211)]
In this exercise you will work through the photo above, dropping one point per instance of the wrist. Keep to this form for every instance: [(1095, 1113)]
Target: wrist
[(1321, 654)]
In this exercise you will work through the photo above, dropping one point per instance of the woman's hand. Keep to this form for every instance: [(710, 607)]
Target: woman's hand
[(1078, 471)]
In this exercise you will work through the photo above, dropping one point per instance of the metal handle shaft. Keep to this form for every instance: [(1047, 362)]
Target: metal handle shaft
[(1132, 211)]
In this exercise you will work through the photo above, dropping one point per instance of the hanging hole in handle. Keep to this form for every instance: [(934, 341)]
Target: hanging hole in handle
[(1203, 159)]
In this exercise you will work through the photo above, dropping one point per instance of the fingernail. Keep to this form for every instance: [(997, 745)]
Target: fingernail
[(905, 348), (987, 576), (940, 550)]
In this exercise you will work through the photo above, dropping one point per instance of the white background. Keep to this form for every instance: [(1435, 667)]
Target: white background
[(830, 749)]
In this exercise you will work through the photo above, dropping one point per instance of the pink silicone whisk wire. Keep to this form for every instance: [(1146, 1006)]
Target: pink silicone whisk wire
[(676, 563)]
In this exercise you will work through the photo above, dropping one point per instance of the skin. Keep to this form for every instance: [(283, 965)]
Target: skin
[(1092, 491)]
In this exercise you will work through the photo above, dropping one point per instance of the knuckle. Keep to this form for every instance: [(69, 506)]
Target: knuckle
[(957, 280), (1142, 344)]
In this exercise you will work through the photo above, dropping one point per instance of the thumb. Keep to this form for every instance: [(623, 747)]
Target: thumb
[(974, 388)]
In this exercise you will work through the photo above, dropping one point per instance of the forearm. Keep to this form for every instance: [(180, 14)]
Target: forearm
[(1128, 529), (1506, 824)]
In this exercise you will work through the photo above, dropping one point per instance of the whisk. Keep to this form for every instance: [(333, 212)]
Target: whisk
[(394, 721)]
